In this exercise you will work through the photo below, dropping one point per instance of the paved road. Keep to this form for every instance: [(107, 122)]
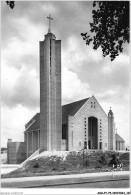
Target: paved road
[(64, 180), (106, 184)]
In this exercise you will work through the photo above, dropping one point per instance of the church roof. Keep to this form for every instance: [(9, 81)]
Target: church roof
[(119, 138), (71, 109), (68, 109), (34, 123)]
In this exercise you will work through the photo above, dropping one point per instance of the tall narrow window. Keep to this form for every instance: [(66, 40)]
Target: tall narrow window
[(100, 145), (50, 56), (72, 138)]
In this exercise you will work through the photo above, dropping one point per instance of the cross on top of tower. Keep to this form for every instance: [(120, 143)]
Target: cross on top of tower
[(50, 18)]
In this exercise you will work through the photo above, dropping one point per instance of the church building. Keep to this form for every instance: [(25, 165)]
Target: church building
[(74, 126), (78, 125), (84, 125)]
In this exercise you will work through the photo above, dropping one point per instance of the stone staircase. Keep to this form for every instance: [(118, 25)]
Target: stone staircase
[(31, 157)]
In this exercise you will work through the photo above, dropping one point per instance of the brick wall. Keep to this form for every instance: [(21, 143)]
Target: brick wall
[(120, 145), (70, 141), (58, 95), (44, 80), (16, 152), (50, 93)]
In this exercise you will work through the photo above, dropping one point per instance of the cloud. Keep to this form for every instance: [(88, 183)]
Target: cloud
[(74, 56), (20, 67), (20, 88), (13, 121), (117, 72), (72, 88), (106, 75), (108, 93), (23, 50), (78, 15)]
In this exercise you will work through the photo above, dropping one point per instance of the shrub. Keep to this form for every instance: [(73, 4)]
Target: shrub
[(36, 165), (114, 161), (86, 162), (125, 156), (73, 163), (103, 159), (74, 158)]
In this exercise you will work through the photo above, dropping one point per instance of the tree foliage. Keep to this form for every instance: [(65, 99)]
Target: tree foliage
[(110, 27), (11, 4)]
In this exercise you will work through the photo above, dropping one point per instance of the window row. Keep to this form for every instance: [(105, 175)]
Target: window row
[(93, 105)]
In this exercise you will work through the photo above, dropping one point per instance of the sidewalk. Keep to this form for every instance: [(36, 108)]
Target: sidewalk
[(7, 168), (26, 182)]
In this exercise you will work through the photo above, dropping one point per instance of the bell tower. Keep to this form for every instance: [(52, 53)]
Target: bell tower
[(111, 131), (50, 92)]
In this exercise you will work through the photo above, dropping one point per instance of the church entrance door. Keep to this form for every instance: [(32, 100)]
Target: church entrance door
[(92, 133), (89, 144)]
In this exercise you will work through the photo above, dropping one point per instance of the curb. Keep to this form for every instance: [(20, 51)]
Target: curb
[(78, 182), (54, 181)]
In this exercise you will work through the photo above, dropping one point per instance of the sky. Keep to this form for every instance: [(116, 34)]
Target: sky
[(85, 72)]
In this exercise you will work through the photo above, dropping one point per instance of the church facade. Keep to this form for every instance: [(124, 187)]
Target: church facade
[(87, 126)]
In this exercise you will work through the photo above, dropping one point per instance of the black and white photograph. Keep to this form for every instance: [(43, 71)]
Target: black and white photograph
[(65, 98)]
